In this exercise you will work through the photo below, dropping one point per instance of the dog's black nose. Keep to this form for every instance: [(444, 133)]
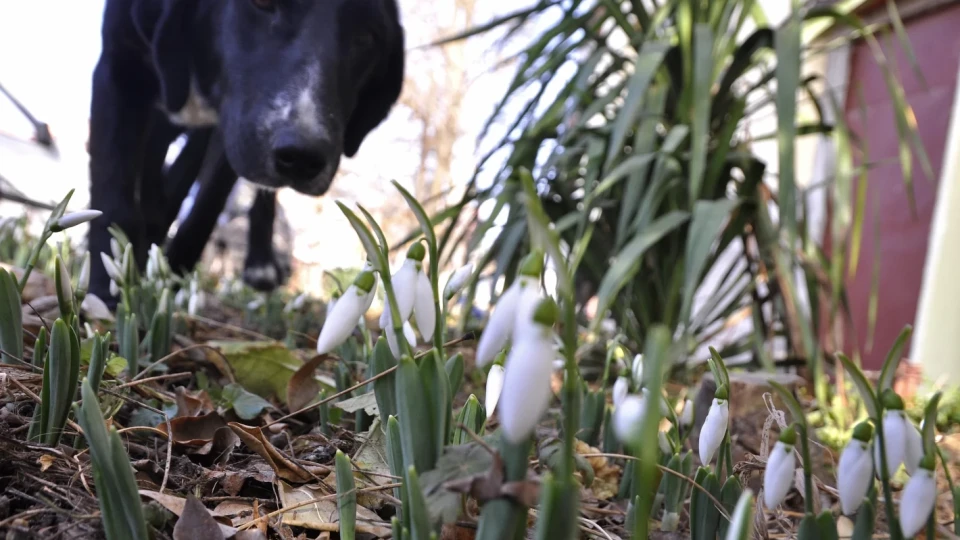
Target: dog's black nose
[(300, 158)]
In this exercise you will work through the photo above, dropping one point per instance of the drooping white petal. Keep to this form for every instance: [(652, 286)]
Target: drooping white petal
[(778, 476), (499, 326), (913, 446), (424, 309), (371, 295), (111, 267), (404, 283), (854, 474), (620, 389), (457, 281), (83, 281), (919, 496), (895, 440), (391, 335), (686, 416), (526, 388), (494, 387), (529, 298), (76, 218), (409, 334), (114, 288), (636, 369), (628, 418), (341, 320), (713, 430)]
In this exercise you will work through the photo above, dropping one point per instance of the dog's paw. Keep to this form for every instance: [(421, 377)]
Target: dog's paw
[(262, 277)]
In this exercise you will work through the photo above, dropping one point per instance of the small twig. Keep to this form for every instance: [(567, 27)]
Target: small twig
[(37, 399), (354, 387), (690, 481), (168, 377), (314, 500), (229, 326), (178, 351)]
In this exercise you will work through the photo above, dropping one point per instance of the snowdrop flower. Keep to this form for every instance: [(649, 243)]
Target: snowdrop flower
[(196, 302), (111, 267), (513, 307), (414, 294), (114, 288), (83, 281), (457, 281), (494, 386), (636, 369), (115, 249), (180, 299), (686, 415), (75, 218), (663, 441), (296, 304), (919, 497), (526, 381), (628, 418), (778, 475), (620, 389), (346, 312), (855, 469), (902, 441), (715, 425)]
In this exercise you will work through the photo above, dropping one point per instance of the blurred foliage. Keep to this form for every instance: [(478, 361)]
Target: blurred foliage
[(633, 118)]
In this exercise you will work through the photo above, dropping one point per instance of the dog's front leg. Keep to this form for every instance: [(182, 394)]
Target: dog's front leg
[(119, 118), (262, 269)]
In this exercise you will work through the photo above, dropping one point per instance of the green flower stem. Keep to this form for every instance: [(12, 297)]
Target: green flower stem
[(729, 453), (895, 531), (34, 255), (440, 325), (807, 469), (395, 316)]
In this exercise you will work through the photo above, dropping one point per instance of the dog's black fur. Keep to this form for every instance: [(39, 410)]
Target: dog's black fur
[(290, 84)]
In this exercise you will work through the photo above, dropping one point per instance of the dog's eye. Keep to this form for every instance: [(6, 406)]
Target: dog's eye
[(265, 5)]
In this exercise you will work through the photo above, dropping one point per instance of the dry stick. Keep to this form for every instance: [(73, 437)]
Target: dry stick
[(229, 327), (166, 419), (315, 500), (185, 349), (36, 398), (168, 377), (717, 503), (354, 387)]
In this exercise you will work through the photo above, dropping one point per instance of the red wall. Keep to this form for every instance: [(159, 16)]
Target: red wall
[(903, 235)]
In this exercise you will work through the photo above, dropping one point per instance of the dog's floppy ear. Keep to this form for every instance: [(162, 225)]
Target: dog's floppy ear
[(379, 93), (171, 53)]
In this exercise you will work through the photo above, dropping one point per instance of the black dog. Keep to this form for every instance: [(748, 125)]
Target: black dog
[(290, 84)]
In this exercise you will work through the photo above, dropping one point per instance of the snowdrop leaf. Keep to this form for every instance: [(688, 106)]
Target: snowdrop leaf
[(863, 385), (741, 525), (791, 402), (425, 225), (377, 231), (719, 368), (930, 424), (374, 255), (892, 362), (827, 526), (865, 524), (542, 235), (730, 497)]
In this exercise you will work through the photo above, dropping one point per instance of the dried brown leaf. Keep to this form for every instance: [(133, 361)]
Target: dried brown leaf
[(285, 468), (303, 387), (194, 430), (322, 514), (196, 522), (192, 403), (177, 506)]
